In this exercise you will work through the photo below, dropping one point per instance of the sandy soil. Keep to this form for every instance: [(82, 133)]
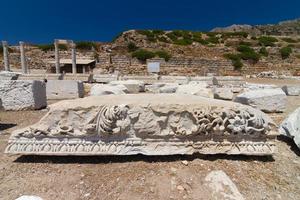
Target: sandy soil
[(142, 177)]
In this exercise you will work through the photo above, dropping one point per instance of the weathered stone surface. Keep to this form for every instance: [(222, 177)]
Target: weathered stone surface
[(175, 79), (291, 90), (6, 75), (154, 88), (223, 93), (228, 80), (221, 186), (40, 77), (105, 78), (29, 197), (1, 104), (169, 88), (290, 127), (64, 89), (23, 95), (133, 86), (267, 100), (150, 124), (195, 89), (255, 86), (103, 89)]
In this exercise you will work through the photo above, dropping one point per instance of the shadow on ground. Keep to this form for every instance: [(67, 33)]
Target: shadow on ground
[(135, 158), (6, 126), (291, 144)]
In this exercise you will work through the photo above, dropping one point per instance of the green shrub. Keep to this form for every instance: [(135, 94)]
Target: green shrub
[(158, 32), (245, 43), (248, 53), (235, 59), (213, 40), (86, 45), (263, 51), (143, 55), (132, 47), (149, 34), (285, 52), (184, 41), (289, 40), (163, 54), (234, 34), (46, 47), (267, 41), (162, 39), (172, 36), (201, 41)]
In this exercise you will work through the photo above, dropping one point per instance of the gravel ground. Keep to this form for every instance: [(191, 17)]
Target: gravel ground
[(144, 177)]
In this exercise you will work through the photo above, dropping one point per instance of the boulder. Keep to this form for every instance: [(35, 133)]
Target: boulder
[(221, 186), (195, 89), (291, 90), (154, 88), (103, 89), (290, 127), (267, 100), (23, 95), (64, 89), (223, 93), (133, 86)]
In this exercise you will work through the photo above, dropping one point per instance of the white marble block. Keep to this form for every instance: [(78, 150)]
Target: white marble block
[(23, 95), (64, 89), (149, 124)]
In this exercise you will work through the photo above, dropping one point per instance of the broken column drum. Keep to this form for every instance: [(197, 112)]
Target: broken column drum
[(149, 124)]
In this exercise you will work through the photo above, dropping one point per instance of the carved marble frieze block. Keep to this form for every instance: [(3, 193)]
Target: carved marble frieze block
[(150, 124)]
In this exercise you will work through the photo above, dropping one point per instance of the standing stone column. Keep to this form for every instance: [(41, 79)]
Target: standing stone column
[(73, 46), (23, 58), (57, 66), (5, 56)]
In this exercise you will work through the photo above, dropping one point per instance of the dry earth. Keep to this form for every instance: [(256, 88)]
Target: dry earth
[(144, 177)]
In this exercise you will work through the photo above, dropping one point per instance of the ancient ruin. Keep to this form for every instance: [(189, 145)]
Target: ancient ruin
[(149, 124)]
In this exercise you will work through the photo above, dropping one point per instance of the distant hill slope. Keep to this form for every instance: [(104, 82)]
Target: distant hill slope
[(284, 28)]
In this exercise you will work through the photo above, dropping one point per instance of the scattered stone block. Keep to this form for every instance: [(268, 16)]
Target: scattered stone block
[(169, 88), (6, 75), (254, 86), (40, 77), (267, 100), (78, 77), (290, 127), (64, 89), (23, 95), (133, 86), (221, 186), (149, 124), (223, 93), (228, 80), (103, 89), (291, 90), (195, 89), (175, 79), (105, 78), (154, 88)]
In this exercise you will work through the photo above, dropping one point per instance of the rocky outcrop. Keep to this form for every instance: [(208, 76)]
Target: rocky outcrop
[(23, 95), (150, 124), (290, 127), (267, 100)]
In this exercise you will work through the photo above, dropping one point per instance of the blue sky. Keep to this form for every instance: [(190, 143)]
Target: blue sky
[(41, 21)]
